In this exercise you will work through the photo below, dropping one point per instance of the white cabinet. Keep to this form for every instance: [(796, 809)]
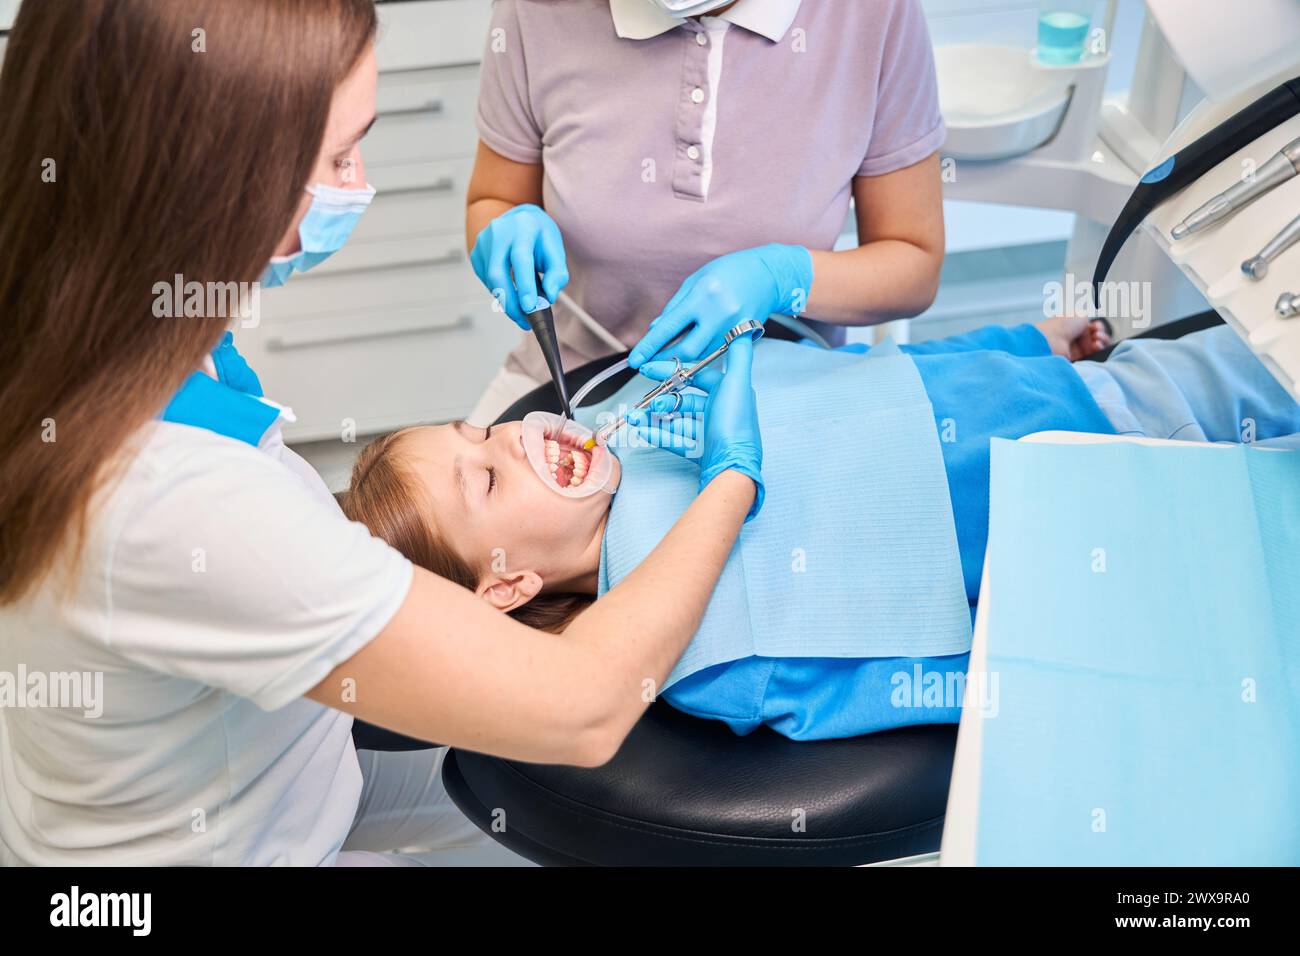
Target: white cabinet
[(395, 329)]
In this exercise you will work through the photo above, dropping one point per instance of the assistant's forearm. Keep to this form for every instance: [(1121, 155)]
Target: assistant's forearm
[(877, 282), (479, 213), (641, 626), (496, 186)]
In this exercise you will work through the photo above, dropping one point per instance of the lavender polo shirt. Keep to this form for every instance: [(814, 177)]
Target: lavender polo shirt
[(667, 143)]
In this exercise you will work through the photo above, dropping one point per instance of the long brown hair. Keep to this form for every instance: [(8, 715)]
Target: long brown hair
[(149, 139), (383, 496)]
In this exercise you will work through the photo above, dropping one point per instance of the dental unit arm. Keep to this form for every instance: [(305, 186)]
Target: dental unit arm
[(1193, 161)]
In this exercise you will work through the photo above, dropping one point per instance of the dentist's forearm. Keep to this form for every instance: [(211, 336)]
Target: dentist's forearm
[(449, 668), (642, 626), (881, 281)]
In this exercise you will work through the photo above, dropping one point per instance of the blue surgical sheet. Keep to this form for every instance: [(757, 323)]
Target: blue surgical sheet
[(1144, 643)]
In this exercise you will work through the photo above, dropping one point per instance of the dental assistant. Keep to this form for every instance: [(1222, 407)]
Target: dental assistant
[(196, 621), (691, 164)]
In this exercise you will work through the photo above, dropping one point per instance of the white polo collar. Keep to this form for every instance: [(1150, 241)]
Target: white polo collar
[(641, 19)]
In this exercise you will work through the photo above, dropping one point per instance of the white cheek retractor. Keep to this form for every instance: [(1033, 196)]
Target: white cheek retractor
[(555, 450)]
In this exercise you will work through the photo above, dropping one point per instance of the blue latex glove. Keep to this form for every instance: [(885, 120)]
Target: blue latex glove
[(522, 242), (719, 429), (750, 284)]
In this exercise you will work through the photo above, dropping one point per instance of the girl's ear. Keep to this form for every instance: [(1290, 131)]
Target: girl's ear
[(505, 592)]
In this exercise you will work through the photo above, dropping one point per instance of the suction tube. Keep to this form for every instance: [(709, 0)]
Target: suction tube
[(599, 377), (1191, 163), (542, 322)]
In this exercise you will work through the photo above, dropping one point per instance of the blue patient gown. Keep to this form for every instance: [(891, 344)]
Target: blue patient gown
[(994, 382)]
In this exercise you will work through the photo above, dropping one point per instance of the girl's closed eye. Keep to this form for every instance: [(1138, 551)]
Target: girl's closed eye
[(492, 480)]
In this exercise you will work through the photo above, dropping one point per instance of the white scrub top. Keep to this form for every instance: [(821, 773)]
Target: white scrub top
[(219, 583)]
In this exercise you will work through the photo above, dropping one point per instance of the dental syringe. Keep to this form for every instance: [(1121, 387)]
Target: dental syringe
[(676, 383)]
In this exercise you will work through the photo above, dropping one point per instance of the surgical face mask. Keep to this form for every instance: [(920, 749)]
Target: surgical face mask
[(689, 8), (334, 213)]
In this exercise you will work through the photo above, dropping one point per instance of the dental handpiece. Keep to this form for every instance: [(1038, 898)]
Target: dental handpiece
[(680, 379), (1283, 165), (1288, 305), (1257, 265)]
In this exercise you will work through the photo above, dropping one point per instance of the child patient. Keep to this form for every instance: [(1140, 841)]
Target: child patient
[(465, 503)]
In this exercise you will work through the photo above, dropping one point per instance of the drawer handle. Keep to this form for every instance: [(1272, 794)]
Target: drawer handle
[(451, 257), (400, 324), (444, 184), (438, 106)]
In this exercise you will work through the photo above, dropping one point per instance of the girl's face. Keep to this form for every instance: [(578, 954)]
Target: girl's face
[(488, 502), (339, 164)]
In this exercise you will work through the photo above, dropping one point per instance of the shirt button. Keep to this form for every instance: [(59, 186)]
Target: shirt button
[(701, 39), (697, 95), (693, 152)]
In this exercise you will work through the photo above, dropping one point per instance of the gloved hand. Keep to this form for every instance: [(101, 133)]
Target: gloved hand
[(750, 284), (521, 242), (728, 436)]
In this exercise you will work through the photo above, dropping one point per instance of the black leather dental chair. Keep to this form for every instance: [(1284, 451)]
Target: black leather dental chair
[(688, 792)]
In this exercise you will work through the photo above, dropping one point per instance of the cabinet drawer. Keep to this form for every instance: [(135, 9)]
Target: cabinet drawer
[(406, 92), (423, 115), (441, 255), (419, 267), (431, 33), (447, 178), (383, 367), (416, 199)]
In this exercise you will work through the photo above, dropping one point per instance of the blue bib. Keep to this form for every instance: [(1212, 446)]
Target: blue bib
[(854, 554)]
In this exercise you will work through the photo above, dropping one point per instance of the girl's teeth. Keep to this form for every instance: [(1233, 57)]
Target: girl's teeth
[(568, 466)]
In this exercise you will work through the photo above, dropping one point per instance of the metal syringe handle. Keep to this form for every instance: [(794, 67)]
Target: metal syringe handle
[(681, 377)]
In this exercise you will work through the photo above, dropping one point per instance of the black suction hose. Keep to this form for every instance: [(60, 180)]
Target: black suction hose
[(1191, 163), (542, 322)]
